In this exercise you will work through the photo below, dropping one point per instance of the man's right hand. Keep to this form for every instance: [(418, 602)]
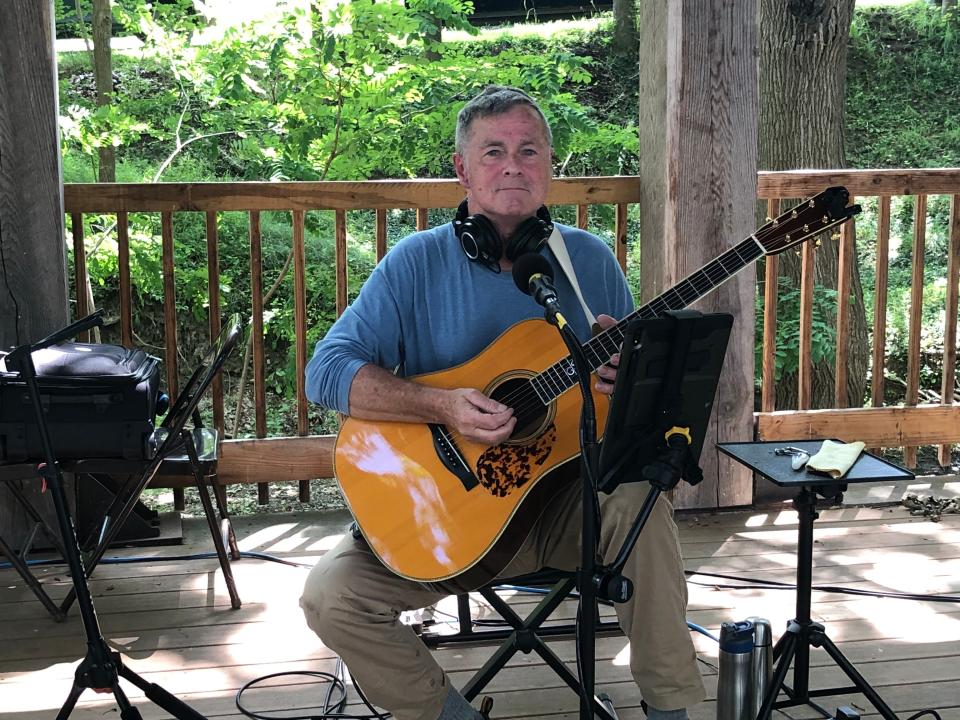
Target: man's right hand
[(476, 417)]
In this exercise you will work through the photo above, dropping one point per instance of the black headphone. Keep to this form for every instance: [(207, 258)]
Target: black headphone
[(481, 242)]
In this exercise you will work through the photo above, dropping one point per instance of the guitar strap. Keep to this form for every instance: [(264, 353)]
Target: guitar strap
[(559, 248)]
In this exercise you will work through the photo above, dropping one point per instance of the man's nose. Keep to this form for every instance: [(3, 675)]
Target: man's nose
[(512, 165)]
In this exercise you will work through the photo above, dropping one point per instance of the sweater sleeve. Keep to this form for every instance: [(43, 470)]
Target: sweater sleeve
[(369, 331)]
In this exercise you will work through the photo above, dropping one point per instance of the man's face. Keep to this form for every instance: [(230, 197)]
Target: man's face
[(505, 167)]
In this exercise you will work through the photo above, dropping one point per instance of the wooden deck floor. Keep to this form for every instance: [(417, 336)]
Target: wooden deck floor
[(173, 623)]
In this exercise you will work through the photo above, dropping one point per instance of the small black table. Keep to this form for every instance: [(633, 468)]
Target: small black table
[(802, 633)]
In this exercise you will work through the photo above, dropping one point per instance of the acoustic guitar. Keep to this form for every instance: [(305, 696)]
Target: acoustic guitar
[(434, 506)]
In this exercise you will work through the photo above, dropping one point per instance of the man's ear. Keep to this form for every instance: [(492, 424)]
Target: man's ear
[(461, 169)]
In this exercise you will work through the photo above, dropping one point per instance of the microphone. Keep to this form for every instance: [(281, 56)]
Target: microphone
[(533, 275)]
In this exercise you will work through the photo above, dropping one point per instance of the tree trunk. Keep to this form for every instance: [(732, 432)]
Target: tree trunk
[(102, 26), (626, 38), (802, 77), (947, 5)]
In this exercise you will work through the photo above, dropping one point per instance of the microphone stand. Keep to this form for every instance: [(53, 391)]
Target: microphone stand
[(101, 667), (589, 541)]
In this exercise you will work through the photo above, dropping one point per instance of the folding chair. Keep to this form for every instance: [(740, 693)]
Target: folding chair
[(180, 450), (523, 634), (11, 478)]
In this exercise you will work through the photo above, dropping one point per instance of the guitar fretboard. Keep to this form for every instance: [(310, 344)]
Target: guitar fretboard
[(562, 375)]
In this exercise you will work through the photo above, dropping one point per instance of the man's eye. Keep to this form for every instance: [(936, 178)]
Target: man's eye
[(492, 153)]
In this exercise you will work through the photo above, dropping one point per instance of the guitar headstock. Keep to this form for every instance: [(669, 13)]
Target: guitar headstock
[(821, 212)]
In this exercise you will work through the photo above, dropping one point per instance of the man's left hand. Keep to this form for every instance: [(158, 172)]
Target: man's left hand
[(607, 374)]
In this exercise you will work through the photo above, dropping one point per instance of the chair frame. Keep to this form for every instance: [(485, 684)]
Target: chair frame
[(177, 438)]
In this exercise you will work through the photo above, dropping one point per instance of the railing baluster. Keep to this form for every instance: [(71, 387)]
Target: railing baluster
[(620, 235), (300, 332), (878, 367), (583, 215), (123, 267), (381, 233), (916, 313), (213, 313), (950, 329), (259, 391), (80, 270), (422, 219), (848, 239), (170, 325), (340, 255), (768, 380), (805, 371)]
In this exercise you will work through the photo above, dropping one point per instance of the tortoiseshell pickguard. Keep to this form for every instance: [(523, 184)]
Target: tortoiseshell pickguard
[(504, 468)]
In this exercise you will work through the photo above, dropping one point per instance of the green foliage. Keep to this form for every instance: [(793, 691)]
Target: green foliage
[(824, 327), (364, 90), (903, 109)]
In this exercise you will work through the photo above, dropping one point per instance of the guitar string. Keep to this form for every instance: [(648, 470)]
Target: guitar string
[(527, 399), (527, 402)]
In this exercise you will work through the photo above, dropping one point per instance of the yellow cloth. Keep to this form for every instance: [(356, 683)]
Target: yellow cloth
[(835, 458)]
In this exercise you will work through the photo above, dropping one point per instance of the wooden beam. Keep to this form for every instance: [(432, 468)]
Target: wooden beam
[(698, 181), (33, 264), (877, 427), (328, 195), (863, 183), (280, 459)]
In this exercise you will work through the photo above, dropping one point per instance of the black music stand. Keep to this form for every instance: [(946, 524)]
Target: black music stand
[(802, 633), (662, 401)]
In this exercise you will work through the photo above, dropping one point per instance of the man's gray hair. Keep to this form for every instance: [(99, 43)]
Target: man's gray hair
[(495, 100)]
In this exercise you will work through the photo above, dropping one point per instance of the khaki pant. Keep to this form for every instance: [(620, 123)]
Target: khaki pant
[(353, 602)]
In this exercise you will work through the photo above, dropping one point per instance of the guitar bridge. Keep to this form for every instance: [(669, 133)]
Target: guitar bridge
[(450, 456)]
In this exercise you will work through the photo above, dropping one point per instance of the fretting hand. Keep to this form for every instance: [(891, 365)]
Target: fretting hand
[(607, 374)]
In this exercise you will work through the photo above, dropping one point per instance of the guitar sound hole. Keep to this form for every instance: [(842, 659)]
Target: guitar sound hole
[(532, 417)]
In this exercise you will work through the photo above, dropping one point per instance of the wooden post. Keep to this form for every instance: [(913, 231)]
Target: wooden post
[(33, 268), (698, 140)]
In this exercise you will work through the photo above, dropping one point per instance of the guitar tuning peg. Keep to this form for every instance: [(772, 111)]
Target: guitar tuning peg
[(835, 235), (806, 228), (794, 214), (769, 219)]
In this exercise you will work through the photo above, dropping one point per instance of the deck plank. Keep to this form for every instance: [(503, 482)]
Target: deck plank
[(173, 623)]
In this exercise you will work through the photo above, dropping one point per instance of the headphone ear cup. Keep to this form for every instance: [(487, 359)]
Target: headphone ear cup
[(529, 237), (480, 240)]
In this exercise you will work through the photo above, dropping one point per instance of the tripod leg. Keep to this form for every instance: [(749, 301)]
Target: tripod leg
[(127, 711), (861, 682), (160, 697), (788, 646), (70, 702)]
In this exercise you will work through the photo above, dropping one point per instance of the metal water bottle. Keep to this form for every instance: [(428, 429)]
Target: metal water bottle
[(733, 685), (761, 665)]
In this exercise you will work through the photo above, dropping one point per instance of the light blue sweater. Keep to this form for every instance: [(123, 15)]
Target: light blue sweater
[(426, 308)]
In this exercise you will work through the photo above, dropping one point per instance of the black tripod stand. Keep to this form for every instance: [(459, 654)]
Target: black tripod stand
[(802, 633), (666, 383), (102, 667), (793, 647)]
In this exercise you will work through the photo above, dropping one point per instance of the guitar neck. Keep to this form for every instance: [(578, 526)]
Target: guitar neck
[(562, 375)]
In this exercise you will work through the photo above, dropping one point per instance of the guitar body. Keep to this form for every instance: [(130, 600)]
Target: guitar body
[(428, 523), (433, 506)]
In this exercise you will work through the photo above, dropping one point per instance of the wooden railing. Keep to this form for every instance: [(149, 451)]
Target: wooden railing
[(306, 456), (908, 426)]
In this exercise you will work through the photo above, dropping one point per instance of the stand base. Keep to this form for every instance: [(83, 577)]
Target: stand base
[(156, 694), (793, 647)]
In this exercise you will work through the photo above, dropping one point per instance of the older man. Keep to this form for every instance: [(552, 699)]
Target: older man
[(437, 300)]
